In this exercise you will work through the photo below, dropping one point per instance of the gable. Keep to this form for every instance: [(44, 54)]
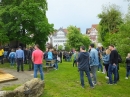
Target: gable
[(60, 32)]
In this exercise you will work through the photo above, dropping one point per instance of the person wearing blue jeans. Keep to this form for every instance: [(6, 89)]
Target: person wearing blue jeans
[(113, 65), (87, 72), (37, 58), (12, 61), (36, 68), (100, 66), (12, 57), (112, 69), (83, 66)]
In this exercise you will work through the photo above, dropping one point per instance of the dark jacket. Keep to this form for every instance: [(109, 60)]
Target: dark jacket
[(28, 56), (128, 62), (54, 56), (83, 61), (114, 57)]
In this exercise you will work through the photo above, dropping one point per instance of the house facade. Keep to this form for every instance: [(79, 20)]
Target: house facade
[(92, 33), (58, 38)]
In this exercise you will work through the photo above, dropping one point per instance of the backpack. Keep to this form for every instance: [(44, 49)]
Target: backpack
[(12, 55), (119, 59)]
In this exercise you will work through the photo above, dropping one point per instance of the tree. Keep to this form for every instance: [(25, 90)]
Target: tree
[(123, 38), (111, 19), (67, 47), (25, 21), (60, 47), (76, 39)]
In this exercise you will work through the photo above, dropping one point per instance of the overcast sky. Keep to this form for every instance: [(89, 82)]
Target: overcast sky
[(80, 13)]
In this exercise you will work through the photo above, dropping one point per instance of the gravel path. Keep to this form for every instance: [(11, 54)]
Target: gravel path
[(22, 77)]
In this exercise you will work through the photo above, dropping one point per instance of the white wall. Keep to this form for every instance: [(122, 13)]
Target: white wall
[(59, 39)]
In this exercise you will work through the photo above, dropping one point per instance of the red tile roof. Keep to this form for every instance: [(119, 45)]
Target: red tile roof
[(94, 26)]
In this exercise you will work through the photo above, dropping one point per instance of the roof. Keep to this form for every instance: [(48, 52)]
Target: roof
[(88, 30), (62, 29), (94, 26)]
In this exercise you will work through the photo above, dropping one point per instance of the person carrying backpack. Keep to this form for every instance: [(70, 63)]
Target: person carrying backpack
[(12, 57)]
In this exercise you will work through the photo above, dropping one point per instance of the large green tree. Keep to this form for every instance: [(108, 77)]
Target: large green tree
[(123, 37), (25, 21), (111, 19), (76, 39)]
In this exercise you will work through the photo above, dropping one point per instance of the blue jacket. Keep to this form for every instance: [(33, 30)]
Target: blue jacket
[(106, 59), (94, 60), (12, 53)]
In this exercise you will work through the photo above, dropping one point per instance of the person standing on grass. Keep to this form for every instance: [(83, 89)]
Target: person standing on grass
[(20, 58), (75, 58), (83, 66), (12, 57), (94, 62), (55, 54), (100, 50), (25, 54), (106, 59), (127, 66), (60, 55), (113, 65), (28, 57), (37, 58)]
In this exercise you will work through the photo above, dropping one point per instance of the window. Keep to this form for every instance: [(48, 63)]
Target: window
[(59, 40)]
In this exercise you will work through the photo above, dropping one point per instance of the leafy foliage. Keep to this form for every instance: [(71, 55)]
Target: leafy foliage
[(25, 21), (121, 39), (60, 47), (111, 19), (76, 39), (67, 47)]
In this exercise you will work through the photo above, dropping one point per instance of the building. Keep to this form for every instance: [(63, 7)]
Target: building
[(92, 33), (58, 38)]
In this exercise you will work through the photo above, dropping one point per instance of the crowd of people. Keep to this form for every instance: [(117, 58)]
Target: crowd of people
[(91, 61), (67, 56), (95, 59)]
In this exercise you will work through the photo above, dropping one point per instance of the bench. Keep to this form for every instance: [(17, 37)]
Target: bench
[(50, 64)]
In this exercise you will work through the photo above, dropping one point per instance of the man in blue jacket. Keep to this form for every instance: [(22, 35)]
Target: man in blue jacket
[(83, 66), (94, 62)]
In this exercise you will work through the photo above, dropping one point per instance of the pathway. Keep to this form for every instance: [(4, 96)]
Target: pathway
[(22, 77)]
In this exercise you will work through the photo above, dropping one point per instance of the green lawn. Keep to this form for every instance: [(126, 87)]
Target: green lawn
[(65, 83)]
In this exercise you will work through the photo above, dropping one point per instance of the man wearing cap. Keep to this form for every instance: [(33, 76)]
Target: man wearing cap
[(20, 59)]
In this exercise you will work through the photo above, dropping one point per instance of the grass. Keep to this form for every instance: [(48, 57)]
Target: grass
[(65, 83), (10, 87)]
